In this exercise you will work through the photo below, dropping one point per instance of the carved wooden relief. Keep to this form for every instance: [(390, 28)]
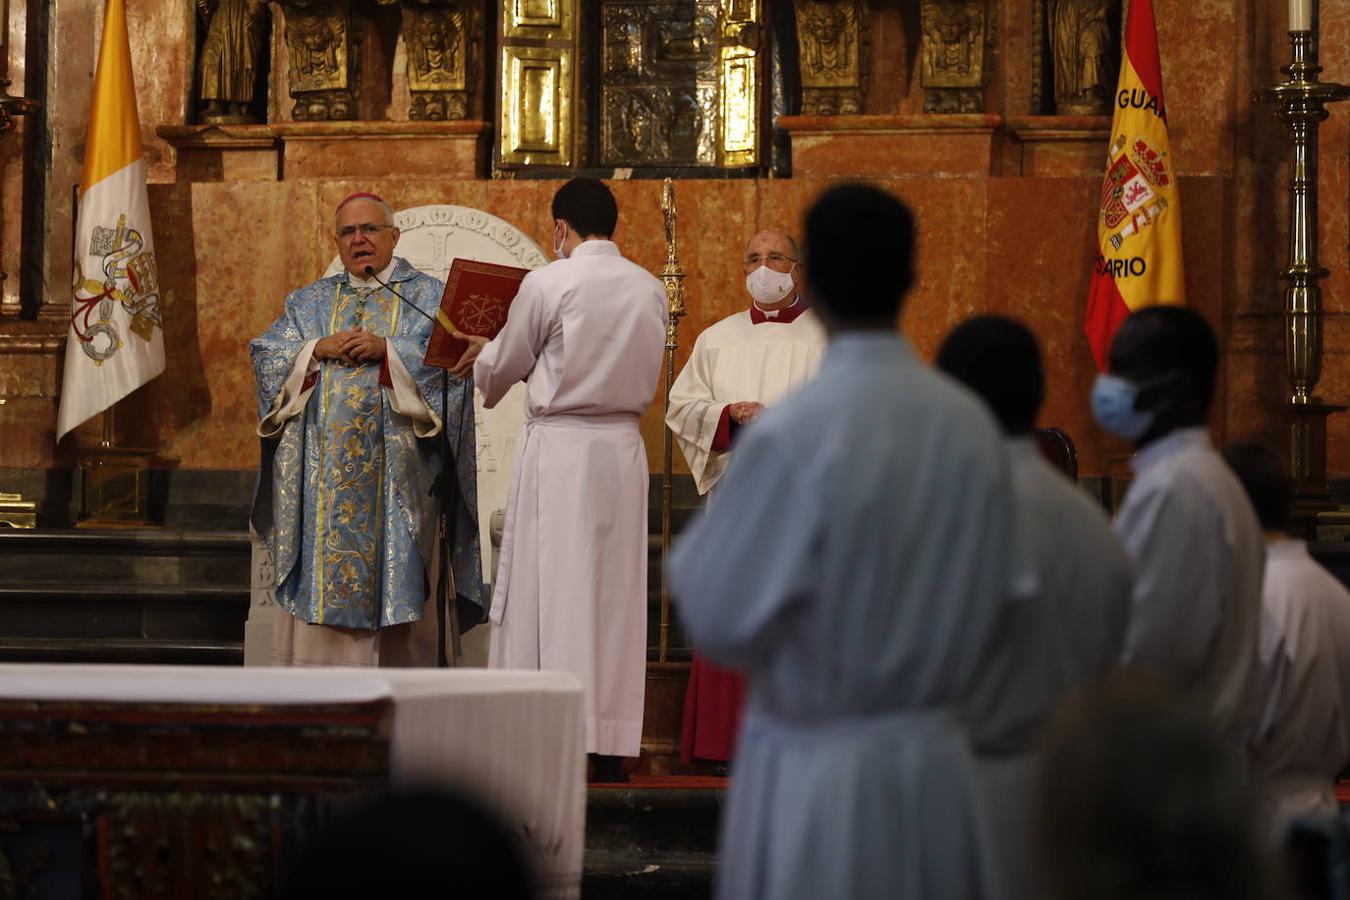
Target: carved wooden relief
[(441, 37), (831, 40), (324, 59), (953, 51)]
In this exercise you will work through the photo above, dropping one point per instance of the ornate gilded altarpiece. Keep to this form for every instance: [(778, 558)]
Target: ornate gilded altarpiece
[(667, 83)]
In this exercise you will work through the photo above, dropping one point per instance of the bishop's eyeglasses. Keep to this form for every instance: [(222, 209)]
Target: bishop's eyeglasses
[(369, 229), (775, 260)]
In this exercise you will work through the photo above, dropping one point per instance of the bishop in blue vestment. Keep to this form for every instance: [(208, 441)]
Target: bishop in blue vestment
[(350, 420)]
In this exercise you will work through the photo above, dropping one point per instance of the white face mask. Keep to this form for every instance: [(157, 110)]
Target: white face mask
[(768, 286), (558, 244)]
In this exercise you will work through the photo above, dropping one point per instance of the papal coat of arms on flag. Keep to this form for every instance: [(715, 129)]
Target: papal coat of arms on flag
[(115, 342), (129, 277), (1139, 254)]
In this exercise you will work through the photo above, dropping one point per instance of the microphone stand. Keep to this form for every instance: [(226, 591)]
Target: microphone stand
[(445, 487)]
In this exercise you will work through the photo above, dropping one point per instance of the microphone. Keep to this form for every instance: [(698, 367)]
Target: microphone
[(370, 273)]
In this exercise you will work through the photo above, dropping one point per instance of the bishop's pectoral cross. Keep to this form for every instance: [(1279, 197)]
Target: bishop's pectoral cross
[(362, 295)]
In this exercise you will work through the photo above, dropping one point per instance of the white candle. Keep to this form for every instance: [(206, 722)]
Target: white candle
[(1300, 15)]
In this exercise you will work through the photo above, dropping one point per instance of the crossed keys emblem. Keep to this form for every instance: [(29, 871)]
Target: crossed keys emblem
[(124, 263)]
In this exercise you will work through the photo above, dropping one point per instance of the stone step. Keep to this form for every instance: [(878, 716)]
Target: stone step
[(141, 556), (653, 842), (125, 651), (618, 876), (83, 622), (672, 818)]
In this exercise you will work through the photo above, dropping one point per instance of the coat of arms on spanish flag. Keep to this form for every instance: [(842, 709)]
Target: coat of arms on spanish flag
[(1139, 256), (115, 343)]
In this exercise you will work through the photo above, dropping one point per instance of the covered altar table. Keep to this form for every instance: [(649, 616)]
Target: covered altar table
[(151, 778)]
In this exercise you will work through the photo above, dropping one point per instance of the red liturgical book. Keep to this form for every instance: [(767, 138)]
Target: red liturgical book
[(476, 299)]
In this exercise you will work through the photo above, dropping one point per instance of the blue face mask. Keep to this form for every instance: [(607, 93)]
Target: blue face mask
[(1113, 400)]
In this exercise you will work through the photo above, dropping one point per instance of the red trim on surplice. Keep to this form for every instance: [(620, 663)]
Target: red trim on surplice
[(785, 315), (722, 439)]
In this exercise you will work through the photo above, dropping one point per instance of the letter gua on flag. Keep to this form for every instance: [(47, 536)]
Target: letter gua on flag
[(116, 342), (1139, 227)]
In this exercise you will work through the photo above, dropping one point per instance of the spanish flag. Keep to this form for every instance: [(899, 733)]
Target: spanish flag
[(115, 343), (1139, 259)]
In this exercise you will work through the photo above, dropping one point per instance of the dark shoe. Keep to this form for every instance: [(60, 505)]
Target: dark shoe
[(607, 769)]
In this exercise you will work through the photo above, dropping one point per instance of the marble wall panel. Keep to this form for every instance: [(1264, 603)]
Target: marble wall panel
[(877, 146), (1196, 39)]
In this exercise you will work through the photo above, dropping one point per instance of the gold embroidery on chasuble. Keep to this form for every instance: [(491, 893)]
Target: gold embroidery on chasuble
[(348, 533)]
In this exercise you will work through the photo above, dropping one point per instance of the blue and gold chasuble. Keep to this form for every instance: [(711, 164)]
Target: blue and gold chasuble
[(343, 498)]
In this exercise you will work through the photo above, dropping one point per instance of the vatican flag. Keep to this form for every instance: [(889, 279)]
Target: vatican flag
[(116, 342), (1139, 261)]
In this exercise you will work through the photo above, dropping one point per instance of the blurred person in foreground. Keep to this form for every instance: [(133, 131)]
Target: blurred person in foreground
[(412, 844), (862, 546), (1139, 798), (1070, 633), (1302, 740), (1186, 521)]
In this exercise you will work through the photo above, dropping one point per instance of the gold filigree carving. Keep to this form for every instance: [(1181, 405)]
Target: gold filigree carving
[(831, 47), (953, 71)]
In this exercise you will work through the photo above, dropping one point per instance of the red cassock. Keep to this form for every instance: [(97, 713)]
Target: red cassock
[(713, 706)]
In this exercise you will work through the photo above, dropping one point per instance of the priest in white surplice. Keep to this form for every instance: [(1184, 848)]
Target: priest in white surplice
[(861, 548), (1065, 637), (739, 366), (1186, 521), (1302, 741), (586, 333), (746, 361)]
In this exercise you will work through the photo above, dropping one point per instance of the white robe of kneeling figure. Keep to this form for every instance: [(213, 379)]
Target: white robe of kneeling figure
[(1065, 637), (861, 550), (1303, 741), (1198, 558), (587, 334), (737, 360)]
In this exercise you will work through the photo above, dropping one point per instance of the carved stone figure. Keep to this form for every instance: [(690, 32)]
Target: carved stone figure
[(437, 36), (831, 44), (324, 64), (234, 49), (1080, 45), (953, 55)]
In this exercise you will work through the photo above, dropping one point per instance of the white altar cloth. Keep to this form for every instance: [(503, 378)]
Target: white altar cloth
[(512, 739)]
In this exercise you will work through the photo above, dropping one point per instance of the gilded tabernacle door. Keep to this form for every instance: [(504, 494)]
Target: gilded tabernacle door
[(630, 83)]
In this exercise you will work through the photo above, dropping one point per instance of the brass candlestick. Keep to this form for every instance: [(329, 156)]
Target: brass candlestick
[(673, 276), (1302, 108)]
